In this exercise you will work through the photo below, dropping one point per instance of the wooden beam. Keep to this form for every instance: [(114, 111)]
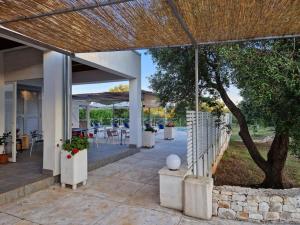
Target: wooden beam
[(181, 21)]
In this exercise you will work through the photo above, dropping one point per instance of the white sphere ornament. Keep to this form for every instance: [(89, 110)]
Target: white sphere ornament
[(173, 162)]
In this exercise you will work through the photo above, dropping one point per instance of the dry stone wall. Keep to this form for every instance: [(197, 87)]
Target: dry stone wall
[(259, 205)]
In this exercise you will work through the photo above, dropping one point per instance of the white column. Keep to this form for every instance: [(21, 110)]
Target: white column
[(88, 120), (2, 99), (53, 105), (13, 124), (135, 112)]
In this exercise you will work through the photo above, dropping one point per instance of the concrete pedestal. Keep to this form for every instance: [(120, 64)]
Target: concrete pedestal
[(171, 187), (198, 197)]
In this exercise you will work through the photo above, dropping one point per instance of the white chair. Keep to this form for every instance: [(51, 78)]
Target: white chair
[(125, 135), (35, 138), (111, 134)]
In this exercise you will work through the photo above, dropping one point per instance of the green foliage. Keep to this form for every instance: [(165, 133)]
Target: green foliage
[(174, 79), (268, 76), (82, 114), (4, 137), (104, 116), (2, 140), (150, 129), (266, 72), (79, 143), (120, 88)]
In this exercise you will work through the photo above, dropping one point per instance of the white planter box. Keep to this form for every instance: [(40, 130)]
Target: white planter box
[(148, 139), (169, 133), (74, 170)]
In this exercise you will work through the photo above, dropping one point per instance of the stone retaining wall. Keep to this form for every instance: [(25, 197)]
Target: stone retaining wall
[(257, 205)]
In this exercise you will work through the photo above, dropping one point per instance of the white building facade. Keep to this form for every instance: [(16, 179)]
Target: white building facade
[(52, 74)]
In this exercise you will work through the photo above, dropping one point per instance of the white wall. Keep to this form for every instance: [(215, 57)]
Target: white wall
[(2, 100), (123, 63), (23, 64), (27, 63)]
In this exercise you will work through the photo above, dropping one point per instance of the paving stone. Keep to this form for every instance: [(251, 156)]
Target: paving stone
[(276, 199), (255, 216), (236, 207), (295, 215), (263, 207), (25, 222), (6, 219), (275, 207), (136, 216), (226, 213), (289, 208), (271, 216), (252, 209), (243, 215), (237, 197), (224, 204), (285, 216)]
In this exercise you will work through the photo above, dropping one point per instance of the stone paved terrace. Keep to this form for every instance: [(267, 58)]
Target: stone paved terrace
[(122, 193), (28, 169)]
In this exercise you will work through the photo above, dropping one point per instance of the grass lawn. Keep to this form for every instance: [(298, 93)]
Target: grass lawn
[(237, 167), (261, 133)]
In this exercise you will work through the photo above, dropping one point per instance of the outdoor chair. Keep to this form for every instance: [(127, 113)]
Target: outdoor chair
[(36, 137), (126, 125), (125, 135), (161, 126), (111, 134)]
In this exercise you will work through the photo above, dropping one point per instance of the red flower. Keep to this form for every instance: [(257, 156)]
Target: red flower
[(81, 135), (91, 135), (69, 156), (75, 150)]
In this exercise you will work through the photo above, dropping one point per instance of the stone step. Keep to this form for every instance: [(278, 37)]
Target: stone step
[(27, 189)]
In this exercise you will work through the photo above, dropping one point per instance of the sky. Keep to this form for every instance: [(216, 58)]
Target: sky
[(148, 68)]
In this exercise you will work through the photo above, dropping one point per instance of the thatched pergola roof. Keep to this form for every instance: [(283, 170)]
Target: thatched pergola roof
[(108, 25)]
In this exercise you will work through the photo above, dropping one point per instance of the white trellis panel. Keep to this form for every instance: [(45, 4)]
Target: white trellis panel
[(211, 138)]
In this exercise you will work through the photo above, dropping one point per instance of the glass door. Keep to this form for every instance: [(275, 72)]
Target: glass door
[(10, 119)]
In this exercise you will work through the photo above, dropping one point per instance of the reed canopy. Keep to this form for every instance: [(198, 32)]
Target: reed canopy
[(77, 26)]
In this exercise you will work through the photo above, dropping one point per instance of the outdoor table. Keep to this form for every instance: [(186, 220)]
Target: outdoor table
[(79, 130)]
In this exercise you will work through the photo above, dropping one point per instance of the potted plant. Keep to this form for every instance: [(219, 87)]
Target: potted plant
[(149, 137), (3, 142), (169, 132), (74, 161)]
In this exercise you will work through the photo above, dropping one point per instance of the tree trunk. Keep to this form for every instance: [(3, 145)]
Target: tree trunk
[(276, 159), (244, 131), (273, 166)]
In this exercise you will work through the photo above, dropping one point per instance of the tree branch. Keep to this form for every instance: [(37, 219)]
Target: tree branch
[(244, 131)]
